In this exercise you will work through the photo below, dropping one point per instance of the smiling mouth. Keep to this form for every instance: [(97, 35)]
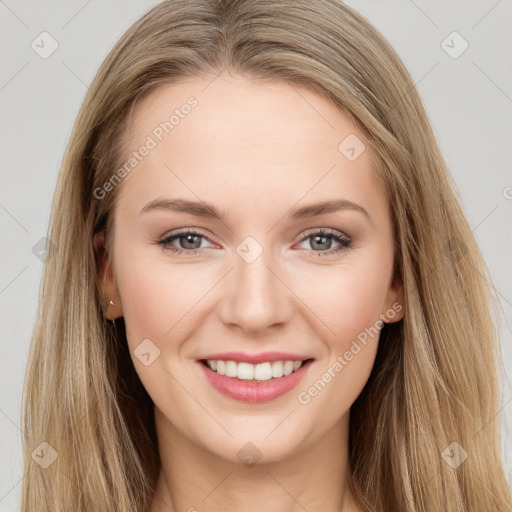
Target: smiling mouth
[(254, 372)]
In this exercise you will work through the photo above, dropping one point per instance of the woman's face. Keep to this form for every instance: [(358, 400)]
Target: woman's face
[(245, 166)]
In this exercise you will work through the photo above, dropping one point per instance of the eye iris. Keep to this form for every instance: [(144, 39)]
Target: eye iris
[(188, 238), (318, 245)]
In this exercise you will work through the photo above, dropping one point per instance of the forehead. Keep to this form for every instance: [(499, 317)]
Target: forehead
[(262, 114), (271, 140)]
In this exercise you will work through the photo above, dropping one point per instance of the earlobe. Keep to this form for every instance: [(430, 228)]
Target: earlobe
[(395, 305), (106, 279)]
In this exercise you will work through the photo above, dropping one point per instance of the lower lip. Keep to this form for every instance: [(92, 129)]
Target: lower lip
[(251, 390)]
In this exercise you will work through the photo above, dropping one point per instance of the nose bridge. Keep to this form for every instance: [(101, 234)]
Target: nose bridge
[(256, 298)]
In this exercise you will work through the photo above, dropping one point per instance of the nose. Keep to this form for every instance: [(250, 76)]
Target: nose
[(256, 296)]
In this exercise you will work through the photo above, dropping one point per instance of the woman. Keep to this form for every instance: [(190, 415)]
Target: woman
[(266, 293)]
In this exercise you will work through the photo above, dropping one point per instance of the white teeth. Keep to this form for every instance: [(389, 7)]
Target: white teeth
[(245, 371), (231, 370), (248, 371), (277, 369), (221, 367), (288, 367), (263, 371)]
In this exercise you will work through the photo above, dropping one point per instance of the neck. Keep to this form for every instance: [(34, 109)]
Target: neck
[(313, 478)]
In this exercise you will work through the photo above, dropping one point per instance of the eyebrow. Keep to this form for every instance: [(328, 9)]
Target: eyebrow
[(206, 210)]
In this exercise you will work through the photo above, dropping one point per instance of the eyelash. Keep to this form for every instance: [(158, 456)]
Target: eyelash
[(345, 242)]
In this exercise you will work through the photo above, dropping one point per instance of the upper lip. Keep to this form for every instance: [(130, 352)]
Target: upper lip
[(261, 357)]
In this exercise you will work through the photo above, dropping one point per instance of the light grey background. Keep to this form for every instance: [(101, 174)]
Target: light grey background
[(468, 99)]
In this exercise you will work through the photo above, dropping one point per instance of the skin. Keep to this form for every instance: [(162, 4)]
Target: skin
[(255, 150)]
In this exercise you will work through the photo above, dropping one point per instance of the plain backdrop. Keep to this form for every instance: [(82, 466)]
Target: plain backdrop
[(467, 93)]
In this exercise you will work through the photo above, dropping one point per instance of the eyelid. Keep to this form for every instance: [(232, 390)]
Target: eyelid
[(327, 231), (306, 234), (177, 233), (345, 241)]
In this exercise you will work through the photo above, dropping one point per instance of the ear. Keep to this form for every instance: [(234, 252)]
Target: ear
[(106, 279), (395, 301)]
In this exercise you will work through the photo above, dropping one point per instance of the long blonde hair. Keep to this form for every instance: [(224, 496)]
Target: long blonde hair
[(435, 379)]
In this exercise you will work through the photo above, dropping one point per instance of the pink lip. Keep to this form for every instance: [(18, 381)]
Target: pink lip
[(252, 390), (262, 357)]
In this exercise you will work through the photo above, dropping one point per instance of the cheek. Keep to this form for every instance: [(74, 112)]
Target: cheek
[(345, 301), (160, 303), (158, 298)]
